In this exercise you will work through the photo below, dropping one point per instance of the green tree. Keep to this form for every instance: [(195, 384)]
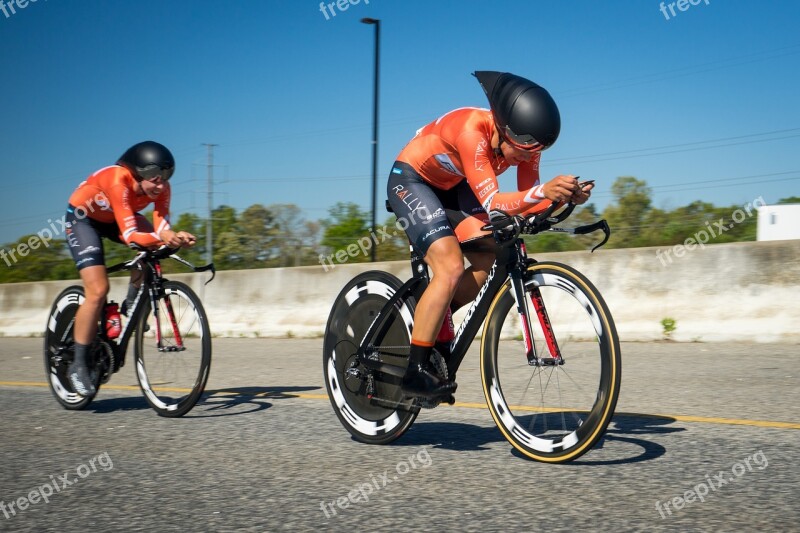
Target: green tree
[(310, 235), (290, 244), (230, 251), (392, 242), (259, 230), (346, 225), (195, 225), (41, 260), (789, 200), (223, 222), (627, 216)]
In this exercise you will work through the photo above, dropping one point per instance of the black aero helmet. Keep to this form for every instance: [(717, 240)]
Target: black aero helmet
[(147, 160), (525, 113)]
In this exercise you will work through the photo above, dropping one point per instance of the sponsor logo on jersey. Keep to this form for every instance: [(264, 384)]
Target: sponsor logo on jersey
[(480, 155), (433, 232), (438, 213), (89, 250), (486, 190), (447, 164)]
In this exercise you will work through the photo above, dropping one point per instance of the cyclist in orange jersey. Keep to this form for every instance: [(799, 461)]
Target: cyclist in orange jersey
[(444, 185), (107, 205)]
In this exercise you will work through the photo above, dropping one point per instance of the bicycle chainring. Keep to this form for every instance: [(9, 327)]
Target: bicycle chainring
[(105, 362)]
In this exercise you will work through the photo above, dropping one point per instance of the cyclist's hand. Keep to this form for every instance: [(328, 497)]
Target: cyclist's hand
[(583, 194), (189, 240), (172, 239), (560, 188)]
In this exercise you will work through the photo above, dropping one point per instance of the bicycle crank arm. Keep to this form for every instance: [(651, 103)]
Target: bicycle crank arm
[(386, 368), (390, 404)]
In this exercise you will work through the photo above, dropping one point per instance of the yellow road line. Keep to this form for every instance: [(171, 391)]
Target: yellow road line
[(467, 405)]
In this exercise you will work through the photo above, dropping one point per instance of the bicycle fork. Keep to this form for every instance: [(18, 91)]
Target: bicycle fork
[(178, 346), (520, 296)]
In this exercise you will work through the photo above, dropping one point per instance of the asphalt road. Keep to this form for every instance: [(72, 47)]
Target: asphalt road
[(715, 425)]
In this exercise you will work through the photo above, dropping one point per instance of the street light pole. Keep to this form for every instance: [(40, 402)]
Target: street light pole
[(377, 24)]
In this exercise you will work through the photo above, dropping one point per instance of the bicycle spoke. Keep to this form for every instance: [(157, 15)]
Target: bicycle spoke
[(173, 358), (558, 414)]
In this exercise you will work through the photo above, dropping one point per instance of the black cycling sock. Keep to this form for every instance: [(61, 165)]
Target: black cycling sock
[(81, 350), (419, 353)]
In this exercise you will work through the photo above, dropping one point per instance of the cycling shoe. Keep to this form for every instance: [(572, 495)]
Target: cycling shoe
[(81, 380), (422, 380)]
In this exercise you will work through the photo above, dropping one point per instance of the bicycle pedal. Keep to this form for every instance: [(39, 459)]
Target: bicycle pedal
[(431, 403)]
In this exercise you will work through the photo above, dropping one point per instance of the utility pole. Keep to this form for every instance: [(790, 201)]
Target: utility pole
[(209, 233)]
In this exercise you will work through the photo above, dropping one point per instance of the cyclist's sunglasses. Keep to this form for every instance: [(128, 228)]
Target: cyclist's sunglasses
[(154, 172), (522, 142)]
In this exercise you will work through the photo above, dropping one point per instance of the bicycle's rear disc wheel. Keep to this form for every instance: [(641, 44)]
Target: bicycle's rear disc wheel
[(387, 415), (58, 346), (174, 376), (552, 413)]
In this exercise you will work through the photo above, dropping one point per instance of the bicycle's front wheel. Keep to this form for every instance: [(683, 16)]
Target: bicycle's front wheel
[(557, 410), (173, 351)]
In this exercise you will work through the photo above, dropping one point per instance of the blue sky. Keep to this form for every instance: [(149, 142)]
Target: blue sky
[(703, 105)]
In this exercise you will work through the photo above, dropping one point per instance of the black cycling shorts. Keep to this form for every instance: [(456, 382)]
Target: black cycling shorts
[(85, 237), (427, 214)]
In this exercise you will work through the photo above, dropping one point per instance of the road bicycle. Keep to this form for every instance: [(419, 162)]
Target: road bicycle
[(550, 359), (172, 339)]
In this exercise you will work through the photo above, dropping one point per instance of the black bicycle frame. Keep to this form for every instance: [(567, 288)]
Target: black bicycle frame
[(511, 263), (151, 283)]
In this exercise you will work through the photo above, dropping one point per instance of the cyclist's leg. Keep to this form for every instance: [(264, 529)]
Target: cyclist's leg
[(467, 216), (95, 285), (142, 225), (447, 266), (419, 209), (86, 246), (474, 278)]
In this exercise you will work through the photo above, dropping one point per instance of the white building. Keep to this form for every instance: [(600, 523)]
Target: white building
[(778, 222)]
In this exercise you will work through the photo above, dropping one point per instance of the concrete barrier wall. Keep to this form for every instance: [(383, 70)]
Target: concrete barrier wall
[(726, 292)]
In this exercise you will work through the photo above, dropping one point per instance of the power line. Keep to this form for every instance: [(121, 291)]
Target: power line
[(666, 148), (683, 71)]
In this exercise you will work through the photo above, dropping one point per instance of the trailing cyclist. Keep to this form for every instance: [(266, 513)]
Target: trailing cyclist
[(444, 184), (107, 205)]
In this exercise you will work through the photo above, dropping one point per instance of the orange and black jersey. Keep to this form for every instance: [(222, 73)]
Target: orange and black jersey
[(457, 147), (109, 196)]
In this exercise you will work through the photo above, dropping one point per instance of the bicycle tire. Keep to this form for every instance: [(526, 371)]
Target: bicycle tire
[(368, 420), (583, 391), (58, 343), (173, 379)]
